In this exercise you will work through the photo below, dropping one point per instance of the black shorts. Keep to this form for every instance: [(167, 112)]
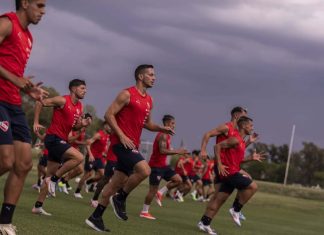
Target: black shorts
[(13, 124), (126, 158), (157, 174), (236, 181), (56, 148), (110, 167), (206, 182), (217, 179), (194, 178), (184, 178), (43, 161)]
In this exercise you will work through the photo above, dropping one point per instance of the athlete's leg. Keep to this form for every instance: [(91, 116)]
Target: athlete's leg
[(7, 158), (72, 159)]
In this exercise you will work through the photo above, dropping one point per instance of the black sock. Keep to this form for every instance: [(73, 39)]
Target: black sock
[(38, 204), (96, 196), (7, 212), (78, 190), (54, 178), (237, 206), (90, 181), (63, 180), (67, 184), (122, 195), (206, 220), (98, 211), (39, 182)]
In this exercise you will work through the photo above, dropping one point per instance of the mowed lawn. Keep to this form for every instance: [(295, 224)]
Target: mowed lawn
[(266, 214)]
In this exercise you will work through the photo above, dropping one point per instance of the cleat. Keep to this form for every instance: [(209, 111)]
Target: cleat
[(147, 215), (235, 216), (94, 203), (119, 207), (8, 229), (78, 195), (206, 228), (77, 180), (158, 198), (36, 187), (40, 211), (50, 186), (242, 217), (63, 188), (97, 224), (87, 187), (178, 197)]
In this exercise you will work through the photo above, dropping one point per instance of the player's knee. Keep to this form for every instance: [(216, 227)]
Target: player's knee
[(6, 164), (146, 172), (177, 180), (23, 167), (253, 186)]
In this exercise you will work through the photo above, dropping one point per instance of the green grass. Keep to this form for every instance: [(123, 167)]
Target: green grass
[(266, 214)]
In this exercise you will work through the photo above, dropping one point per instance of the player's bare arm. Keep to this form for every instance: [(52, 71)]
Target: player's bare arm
[(163, 147), (121, 101), (220, 130)]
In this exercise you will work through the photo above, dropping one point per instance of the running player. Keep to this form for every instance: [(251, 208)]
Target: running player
[(195, 176), (15, 139), (207, 176), (109, 171), (223, 132), (62, 157), (127, 116), (96, 148), (160, 169), (229, 171)]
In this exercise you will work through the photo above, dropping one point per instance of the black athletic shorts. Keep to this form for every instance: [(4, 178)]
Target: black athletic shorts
[(236, 181), (13, 124), (43, 160), (184, 178), (110, 167), (157, 174), (206, 182), (126, 158), (56, 148), (194, 178)]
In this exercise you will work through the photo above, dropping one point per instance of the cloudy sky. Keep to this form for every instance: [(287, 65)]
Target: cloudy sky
[(209, 57)]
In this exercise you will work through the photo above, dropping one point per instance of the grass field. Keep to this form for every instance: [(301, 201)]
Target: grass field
[(266, 214)]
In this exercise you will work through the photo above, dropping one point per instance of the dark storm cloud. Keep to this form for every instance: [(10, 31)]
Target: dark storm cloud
[(209, 57)]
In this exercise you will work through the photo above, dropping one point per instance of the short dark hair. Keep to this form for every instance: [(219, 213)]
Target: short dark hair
[(76, 82), (243, 120), (18, 3), (167, 118), (238, 109), (142, 67), (196, 152)]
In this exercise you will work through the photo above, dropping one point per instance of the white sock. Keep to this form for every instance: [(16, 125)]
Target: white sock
[(163, 190), (146, 208)]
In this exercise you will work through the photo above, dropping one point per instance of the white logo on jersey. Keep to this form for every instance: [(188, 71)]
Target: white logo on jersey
[(4, 126)]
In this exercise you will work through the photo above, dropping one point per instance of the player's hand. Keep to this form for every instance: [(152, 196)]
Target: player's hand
[(182, 151), (222, 170), (254, 137), (168, 130), (91, 158), (36, 92), (258, 156), (37, 127), (127, 142), (23, 83)]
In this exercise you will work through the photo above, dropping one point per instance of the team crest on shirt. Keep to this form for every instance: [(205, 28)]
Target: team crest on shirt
[(135, 151), (4, 126), (138, 102)]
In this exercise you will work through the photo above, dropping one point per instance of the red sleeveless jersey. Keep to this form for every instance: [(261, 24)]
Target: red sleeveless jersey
[(80, 138), (98, 147), (132, 117), (65, 118), (178, 169), (157, 159), (189, 166), (233, 157), (231, 131), (45, 151), (210, 168), (110, 155), (14, 53)]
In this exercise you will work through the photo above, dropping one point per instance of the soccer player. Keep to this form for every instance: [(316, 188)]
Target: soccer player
[(109, 171), (207, 176), (62, 157), (223, 132), (129, 113), (96, 149), (160, 169), (15, 139), (42, 163), (229, 171), (183, 166), (195, 176)]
